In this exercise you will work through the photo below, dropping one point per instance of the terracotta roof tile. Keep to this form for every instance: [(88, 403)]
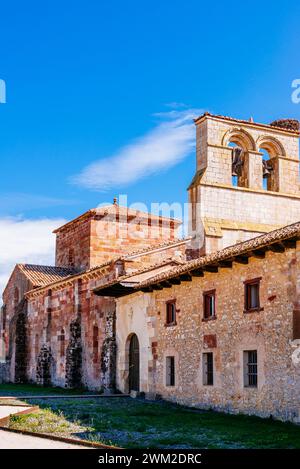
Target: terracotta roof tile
[(239, 249), (42, 275), (287, 232), (119, 210)]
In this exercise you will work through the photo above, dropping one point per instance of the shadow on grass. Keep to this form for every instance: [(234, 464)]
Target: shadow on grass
[(135, 423), (18, 390)]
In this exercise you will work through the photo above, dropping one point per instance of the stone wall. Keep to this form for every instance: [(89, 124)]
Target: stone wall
[(65, 320), (97, 236), (73, 245), (224, 214), (269, 331)]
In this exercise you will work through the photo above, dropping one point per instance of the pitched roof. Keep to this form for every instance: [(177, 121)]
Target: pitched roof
[(42, 275), (119, 210), (156, 247), (274, 125), (254, 246), (57, 275)]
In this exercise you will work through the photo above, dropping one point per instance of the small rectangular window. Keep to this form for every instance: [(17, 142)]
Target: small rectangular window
[(209, 304), (250, 368), (170, 371), (95, 343), (208, 369), (252, 302), (171, 313)]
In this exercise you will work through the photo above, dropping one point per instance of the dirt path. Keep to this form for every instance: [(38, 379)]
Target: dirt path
[(10, 440)]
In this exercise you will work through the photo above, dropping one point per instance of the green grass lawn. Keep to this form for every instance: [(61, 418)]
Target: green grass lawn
[(135, 423), (32, 389)]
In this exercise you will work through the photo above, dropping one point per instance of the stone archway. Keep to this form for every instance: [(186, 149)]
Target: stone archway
[(134, 363)]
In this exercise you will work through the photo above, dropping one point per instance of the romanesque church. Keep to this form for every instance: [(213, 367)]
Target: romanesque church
[(210, 321)]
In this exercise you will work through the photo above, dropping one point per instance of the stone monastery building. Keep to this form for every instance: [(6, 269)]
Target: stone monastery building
[(211, 321)]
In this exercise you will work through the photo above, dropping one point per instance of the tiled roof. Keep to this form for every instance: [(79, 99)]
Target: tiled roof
[(56, 275), (259, 242), (42, 275), (249, 122), (154, 247), (119, 210), (231, 252)]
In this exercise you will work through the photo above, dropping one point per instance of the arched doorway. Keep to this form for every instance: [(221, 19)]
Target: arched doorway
[(134, 364)]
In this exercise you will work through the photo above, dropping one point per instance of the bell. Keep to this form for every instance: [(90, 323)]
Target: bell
[(267, 169)]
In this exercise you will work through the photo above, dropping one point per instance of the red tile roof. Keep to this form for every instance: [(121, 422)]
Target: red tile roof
[(119, 210), (122, 284), (42, 275)]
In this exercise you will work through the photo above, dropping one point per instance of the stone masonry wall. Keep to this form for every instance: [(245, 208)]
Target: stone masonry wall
[(269, 331), (224, 214), (92, 240), (52, 320)]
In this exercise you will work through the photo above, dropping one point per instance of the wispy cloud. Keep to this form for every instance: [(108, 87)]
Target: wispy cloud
[(23, 240), (21, 202), (170, 141)]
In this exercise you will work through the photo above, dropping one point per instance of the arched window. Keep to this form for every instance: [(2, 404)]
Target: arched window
[(237, 163), (271, 149), (267, 170), (242, 143)]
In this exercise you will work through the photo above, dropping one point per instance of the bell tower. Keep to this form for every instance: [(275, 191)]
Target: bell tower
[(246, 181)]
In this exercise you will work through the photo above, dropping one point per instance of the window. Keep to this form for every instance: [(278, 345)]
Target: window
[(71, 260), (95, 343), (171, 313), (267, 169), (170, 371), (37, 345), (237, 164), (16, 296), (252, 302), (48, 327), (3, 309), (209, 304), (208, 369), (250, 368), (61, 339)]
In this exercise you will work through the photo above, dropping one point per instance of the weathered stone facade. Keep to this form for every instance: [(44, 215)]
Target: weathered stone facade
[(56, 331), (223, 213), (270, 331), (103, 310)]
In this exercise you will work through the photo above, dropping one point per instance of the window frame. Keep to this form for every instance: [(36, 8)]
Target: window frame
[(250, 377), (209, 294), (170, 371), (174, 315), (247, 295), (208, 369)]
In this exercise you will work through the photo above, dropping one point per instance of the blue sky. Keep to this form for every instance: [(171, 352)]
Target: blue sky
[(86, 79)]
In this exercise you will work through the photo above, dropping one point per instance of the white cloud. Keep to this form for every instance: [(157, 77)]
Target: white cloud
[(169, 142), (26, 241), (24, 202)]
